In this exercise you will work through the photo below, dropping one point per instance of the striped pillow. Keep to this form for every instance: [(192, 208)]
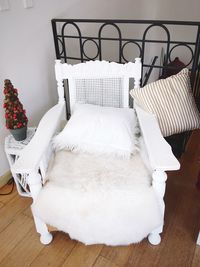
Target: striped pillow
[(172, 101)]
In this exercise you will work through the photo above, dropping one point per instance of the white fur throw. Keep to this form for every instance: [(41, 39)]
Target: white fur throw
[(99, 200)]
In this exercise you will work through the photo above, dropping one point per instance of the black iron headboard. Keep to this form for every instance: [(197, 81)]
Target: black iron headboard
[(158, 43), (140, 34)]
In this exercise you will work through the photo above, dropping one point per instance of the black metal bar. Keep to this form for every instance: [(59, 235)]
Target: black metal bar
[(63, 43), (196, 58), (196, 86), (168, 22), (119, 39), (146, 77), (160, 67), (126, 39), (53, 23), (79, 36), (144, 65)]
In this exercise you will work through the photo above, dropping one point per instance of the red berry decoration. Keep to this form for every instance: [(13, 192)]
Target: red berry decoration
[(14, 113)]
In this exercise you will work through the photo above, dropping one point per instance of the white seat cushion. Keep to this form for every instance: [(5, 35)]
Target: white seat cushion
[(99, 199)]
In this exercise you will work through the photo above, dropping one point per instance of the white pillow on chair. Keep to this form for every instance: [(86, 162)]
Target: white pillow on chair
[(99, 130)]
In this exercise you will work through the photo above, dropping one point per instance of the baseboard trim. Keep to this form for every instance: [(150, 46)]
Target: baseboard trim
[(5, 178)]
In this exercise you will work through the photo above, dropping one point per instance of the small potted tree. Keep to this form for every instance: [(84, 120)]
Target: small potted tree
[(15, 115)]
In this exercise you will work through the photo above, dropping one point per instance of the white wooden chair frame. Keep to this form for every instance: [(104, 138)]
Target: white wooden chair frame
[(159, 151)]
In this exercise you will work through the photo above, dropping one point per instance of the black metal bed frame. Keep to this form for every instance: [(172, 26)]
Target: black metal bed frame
[(62, 33)]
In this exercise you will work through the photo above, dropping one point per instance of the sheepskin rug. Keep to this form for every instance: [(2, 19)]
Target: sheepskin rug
[(99, 200)]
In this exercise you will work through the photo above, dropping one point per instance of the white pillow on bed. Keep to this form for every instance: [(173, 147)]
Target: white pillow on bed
[(99, 130)]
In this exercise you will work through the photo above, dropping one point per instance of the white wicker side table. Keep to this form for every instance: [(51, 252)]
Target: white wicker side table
[(13, 149)]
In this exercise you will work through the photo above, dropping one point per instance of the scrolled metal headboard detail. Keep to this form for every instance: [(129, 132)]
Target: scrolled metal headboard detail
[(171, 40)]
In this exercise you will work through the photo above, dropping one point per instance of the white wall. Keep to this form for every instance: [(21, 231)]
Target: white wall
[(27, 50)]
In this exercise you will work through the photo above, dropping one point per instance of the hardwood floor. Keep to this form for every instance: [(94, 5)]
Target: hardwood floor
[(20, 246)]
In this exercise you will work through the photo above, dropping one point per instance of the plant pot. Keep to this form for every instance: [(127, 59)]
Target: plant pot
[(19, 134)]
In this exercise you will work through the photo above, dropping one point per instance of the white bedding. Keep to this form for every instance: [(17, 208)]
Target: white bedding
[(97, 199)]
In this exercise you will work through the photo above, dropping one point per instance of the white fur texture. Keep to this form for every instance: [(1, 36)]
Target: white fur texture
[(99, 200), (99, 130)]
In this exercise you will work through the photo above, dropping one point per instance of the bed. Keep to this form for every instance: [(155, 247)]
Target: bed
[(86, 202)]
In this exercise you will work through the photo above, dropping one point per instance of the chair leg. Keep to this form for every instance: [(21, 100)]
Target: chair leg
[(159, 179), (35, 184), (45, 236), (154, 237)]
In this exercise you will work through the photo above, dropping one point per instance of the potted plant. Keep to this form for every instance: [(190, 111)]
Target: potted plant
[(15, 115)]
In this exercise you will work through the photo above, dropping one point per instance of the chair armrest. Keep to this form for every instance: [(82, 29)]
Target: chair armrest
[(32, 154), (159, 151)]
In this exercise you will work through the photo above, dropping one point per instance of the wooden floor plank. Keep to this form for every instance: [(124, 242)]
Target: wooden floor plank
[(193, 147), (55, 253), (182, 232), (196, 258), (145, 254), (103, 262), (28, 212), (83, 256), (1, 204), (11, 209), (25, 251), (4, 190), (13, 234), (117, 255)]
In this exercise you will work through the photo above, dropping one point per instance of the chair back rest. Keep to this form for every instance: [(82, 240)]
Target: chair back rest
[(98, 82)]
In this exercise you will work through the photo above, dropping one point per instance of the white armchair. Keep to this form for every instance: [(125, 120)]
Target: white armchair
[(35, 156)]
